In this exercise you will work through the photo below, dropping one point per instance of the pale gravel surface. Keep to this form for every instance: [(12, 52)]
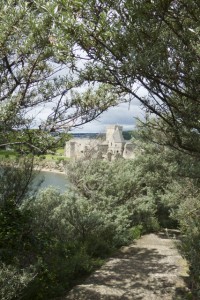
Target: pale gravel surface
[(150, 269)]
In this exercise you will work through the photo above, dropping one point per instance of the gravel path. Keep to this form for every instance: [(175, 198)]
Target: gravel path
[(150, 269)]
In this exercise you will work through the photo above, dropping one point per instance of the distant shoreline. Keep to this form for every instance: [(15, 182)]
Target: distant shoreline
[(51, 170), (37, 167)]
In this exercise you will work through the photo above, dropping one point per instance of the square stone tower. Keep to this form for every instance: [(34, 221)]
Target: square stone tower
[(115, 139)]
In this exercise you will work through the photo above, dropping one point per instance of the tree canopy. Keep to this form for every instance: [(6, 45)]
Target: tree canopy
[(138, 46), (111, 51), (34, 75)]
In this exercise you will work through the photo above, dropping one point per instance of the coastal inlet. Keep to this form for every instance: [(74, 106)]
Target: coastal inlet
[(54, 179)]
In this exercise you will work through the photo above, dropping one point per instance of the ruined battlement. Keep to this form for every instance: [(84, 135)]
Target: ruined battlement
[(115, 146)]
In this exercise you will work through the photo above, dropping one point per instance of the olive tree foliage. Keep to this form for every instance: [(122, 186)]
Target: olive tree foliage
[(149, 50), (32, 75), (118, 189), (52, 240), (48, 239)]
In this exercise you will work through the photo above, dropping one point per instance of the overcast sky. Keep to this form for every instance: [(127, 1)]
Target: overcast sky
[(125, 115)]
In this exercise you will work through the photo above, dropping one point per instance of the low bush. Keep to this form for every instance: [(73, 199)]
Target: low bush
[(71, 238), (189, 219), (136, 232), (183, 201), (14, 281)]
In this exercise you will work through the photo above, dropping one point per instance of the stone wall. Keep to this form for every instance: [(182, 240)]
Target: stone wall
[(113, 148)]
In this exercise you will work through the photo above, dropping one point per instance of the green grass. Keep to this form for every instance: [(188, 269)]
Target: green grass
[(7, 154), (59, 155), (60, 151)]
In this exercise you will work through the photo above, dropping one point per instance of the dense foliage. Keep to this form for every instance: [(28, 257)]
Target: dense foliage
[(33, 76), (49, 239), (78, 58)]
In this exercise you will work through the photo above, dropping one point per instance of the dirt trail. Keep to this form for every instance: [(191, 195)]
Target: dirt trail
[(150, 269)]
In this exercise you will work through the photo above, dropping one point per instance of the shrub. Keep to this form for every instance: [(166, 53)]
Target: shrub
[(117, 189), (189, 218), (136, 232), (13, 281), (70, 236)]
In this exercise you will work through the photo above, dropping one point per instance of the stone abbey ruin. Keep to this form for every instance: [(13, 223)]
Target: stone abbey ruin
[(113, 147)]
